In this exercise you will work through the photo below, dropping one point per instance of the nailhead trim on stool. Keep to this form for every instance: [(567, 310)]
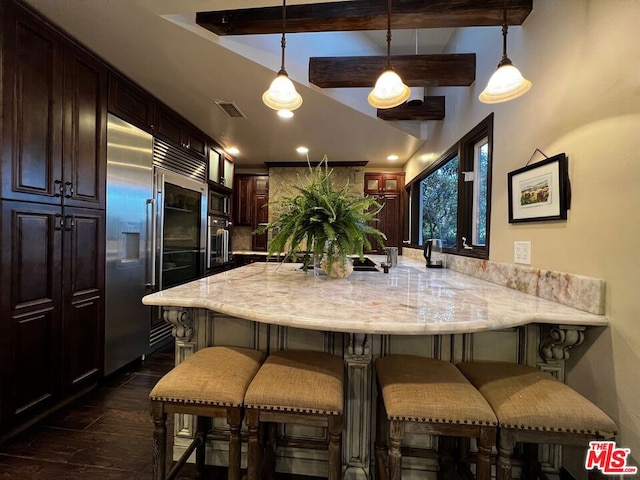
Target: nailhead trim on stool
[(534, 407), (425, 395), (210, 383), (296, 386)]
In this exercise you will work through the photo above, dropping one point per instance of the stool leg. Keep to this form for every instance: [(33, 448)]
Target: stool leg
[(202, 430), (380, 442), (268, 464), (335, 447), (396, 432), (483, 463), (446, 457), (234, 419), (159, 440), (506, 443), (253, 445)]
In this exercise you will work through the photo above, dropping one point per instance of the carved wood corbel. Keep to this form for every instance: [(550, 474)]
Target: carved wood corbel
[(182, 323), (559, 340)]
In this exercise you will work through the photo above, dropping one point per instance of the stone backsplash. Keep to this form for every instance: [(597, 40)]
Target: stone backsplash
[(583, 293)]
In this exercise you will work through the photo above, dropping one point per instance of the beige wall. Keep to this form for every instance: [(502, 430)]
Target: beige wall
[(583, 57)]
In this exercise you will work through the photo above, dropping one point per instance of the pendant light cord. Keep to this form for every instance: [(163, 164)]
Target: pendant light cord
[(389, 34), (505, 29), (283, 42)]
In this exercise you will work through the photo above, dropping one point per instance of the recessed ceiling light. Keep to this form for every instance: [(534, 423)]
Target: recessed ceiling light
[(302, 150), (233, 151), (393, 158), (285, 113)]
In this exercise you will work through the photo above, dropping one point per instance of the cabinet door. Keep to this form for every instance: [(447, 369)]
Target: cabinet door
[(85, 130), (32, 118), (243, 204), (391, 221), (227, 172), (196, 142), (259, 242), (130, 103), (83, 296), (169, 126), (372, 184), (30, 308)]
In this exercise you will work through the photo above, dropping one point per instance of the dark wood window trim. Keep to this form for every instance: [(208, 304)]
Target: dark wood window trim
[(464, 149)]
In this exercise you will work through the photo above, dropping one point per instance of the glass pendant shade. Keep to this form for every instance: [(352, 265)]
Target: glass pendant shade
[(389, 91), (282, 94), (505, 84)]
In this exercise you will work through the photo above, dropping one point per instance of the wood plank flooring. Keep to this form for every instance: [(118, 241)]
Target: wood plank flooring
[(106, 434)]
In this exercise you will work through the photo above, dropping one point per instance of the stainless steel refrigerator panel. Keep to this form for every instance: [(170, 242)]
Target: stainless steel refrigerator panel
[(130, 213)]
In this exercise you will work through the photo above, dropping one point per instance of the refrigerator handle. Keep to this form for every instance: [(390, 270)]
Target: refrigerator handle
[(151, 244), (158, 237)]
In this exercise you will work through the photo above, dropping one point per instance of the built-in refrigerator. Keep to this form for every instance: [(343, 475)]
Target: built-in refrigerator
[(156, 236)]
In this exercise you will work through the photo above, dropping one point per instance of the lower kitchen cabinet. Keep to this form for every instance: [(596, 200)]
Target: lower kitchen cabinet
[(51, 305)]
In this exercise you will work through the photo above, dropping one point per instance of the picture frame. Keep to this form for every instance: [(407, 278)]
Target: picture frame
[(540, 192)]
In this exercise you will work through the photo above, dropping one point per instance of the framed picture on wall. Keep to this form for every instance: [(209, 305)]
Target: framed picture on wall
[(540, 192)]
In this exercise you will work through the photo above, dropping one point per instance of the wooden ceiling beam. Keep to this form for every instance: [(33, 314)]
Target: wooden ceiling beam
[(415, 70), (431, 109), (364, 15)]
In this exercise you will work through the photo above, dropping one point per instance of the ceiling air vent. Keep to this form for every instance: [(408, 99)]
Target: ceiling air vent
[(231, 109)]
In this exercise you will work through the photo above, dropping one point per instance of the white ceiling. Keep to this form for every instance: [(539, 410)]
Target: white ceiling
[(158, 45)]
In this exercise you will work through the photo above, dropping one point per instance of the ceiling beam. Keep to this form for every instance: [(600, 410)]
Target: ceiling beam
[(364, 15), (452, 70), (431, 109)]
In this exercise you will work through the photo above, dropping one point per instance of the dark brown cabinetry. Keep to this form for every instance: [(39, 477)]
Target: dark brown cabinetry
[(388, 189), (251, 198), (175, 130), (221, 169), (131, 103), (54, 99), (52, 237)]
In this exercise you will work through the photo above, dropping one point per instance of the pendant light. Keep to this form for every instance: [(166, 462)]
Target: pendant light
[(389, 91), (282, 93), (507, 82)]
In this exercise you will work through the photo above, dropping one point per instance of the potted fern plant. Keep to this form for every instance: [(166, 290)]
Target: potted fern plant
[(328, 225)]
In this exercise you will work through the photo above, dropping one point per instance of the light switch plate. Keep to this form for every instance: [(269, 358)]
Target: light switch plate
[(522, 252)]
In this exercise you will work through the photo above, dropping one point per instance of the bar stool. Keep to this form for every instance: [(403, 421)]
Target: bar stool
[(300, 387), (534, 407), (210, 383), (429, 396)]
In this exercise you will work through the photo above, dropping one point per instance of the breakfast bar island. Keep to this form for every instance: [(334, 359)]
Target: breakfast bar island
[(438, 313)]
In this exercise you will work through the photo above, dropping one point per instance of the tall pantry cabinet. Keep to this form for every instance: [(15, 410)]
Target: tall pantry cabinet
[(52, 238)]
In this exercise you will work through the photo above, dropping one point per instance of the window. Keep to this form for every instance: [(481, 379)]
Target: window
[(450, 200)]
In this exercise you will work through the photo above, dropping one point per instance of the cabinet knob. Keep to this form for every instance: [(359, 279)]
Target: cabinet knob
[(57, 188)]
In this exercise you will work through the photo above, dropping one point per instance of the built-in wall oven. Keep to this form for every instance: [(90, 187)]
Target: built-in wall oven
[(218, 242)]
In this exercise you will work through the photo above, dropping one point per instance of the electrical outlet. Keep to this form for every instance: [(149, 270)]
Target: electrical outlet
[(522, 252)]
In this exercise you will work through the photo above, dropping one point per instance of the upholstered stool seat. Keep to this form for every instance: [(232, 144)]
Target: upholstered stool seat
[(210, 383), (424, 395), (300, 387), (534, 407)]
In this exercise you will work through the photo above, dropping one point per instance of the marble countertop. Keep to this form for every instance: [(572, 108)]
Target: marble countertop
[(409, 300)]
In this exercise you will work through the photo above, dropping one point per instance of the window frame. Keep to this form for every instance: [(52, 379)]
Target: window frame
[(465, 150)]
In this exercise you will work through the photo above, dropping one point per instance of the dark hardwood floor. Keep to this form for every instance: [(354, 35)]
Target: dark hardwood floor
[(105, 434)]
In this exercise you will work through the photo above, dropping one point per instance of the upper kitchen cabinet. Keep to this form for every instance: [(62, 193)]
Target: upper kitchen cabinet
[(177, 131), (379, 183), (221, 169), (131, 103), (54, 128)]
